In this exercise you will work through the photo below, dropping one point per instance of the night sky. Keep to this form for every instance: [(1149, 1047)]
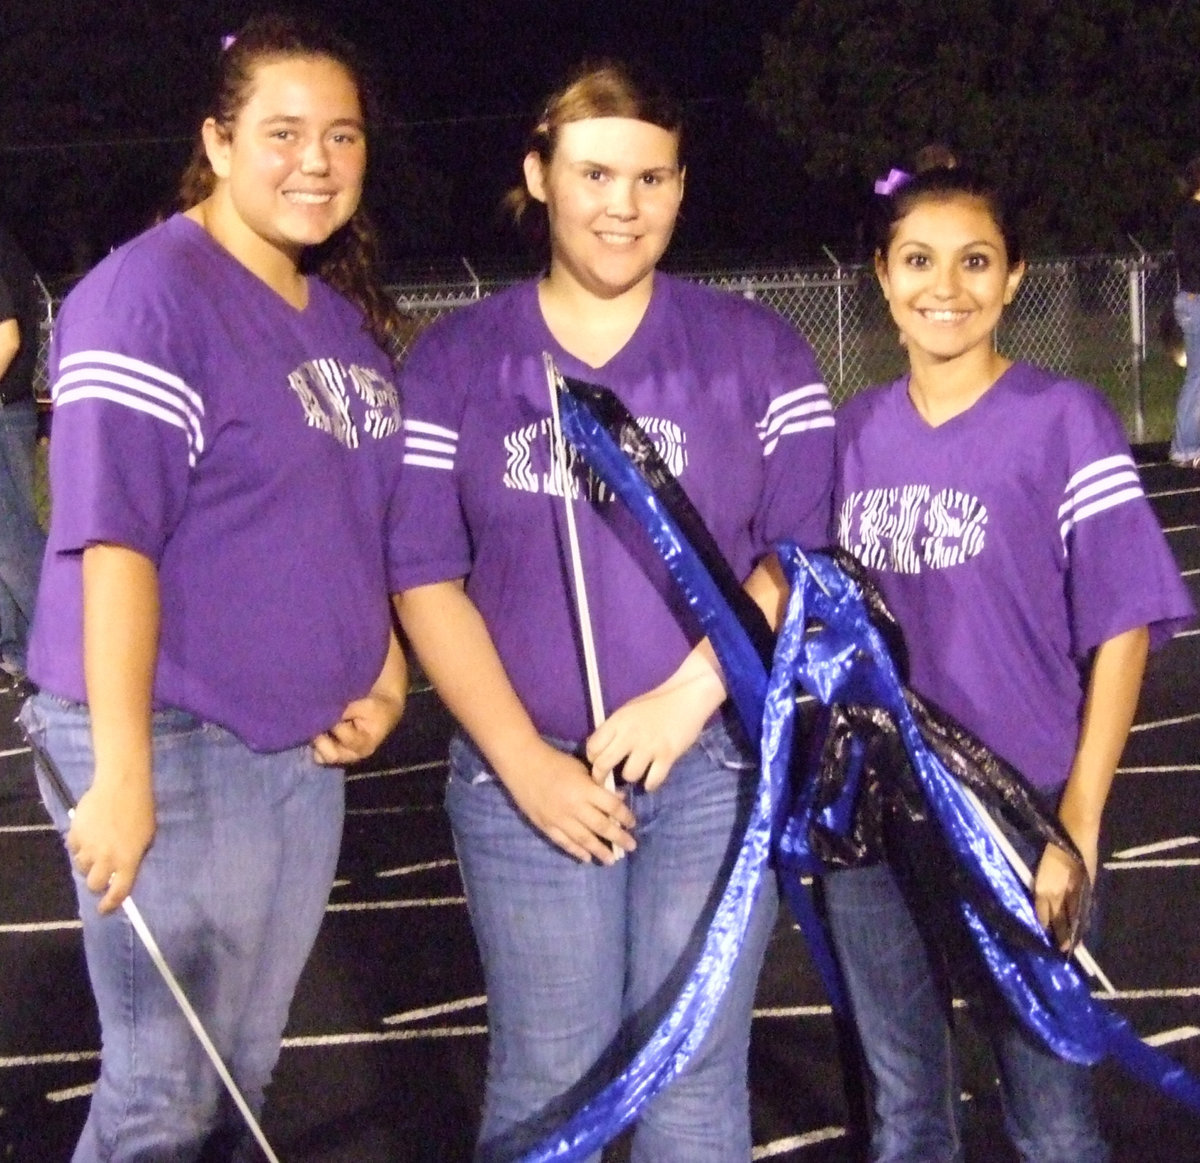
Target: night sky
[(467, 80), (99, 102), (461, 83)]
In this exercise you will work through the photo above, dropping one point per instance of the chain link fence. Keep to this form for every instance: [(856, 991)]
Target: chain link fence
[(1085, 317)]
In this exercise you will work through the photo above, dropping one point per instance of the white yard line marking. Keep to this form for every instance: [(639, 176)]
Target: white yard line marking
[(408, 869), (1162, 769), (433, 902), (402, 810), (71, 1093), (1158, 846), (450, 1007), (319, 1041), (797, 1142), (1174, 493), (1180, 1034), (1175, 722), (40, 926), (407, 769), (66, 1058), (14, 751), (1177, 862), (820, 1010), (21, 829), (1183, 992), (813, 1011)]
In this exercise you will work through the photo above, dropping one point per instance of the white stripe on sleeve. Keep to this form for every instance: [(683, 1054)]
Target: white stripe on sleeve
[(429, 445), (800, 410), (133, 384), (1097, 488)]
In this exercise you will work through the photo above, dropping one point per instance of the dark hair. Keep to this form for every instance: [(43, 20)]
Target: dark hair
[(348, 259), (942, 183), (1189, 177), (601, 88)]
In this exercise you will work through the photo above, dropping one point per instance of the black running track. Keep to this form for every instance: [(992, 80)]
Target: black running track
[(384, 1056)]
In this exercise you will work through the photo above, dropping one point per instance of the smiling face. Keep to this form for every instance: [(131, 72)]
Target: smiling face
[(290, 168), (946, 277), (612, 191)]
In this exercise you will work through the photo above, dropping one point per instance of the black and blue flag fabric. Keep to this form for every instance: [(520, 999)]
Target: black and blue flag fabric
[(838, 644)]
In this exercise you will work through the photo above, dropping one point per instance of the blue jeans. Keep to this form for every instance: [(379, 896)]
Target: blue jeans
[(1185, 443), (22, 542), (902, 1014), (581, 960), (233, 888)]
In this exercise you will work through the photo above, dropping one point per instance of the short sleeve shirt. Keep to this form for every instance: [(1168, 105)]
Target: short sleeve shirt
[(252, 452), (732, 398), (1009, 542)]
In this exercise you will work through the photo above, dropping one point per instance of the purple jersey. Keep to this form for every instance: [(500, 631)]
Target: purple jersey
[(1009, 542), (734, 402), (244, 446)]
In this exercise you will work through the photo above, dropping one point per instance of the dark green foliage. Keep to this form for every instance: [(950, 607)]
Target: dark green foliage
[(1085, 108)]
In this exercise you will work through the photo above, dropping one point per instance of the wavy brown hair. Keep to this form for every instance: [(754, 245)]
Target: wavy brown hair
[(348, 259)]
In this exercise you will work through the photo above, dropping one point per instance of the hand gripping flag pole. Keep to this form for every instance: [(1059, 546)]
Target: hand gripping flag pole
[(562, 469), (1087, 962), (134, 914)]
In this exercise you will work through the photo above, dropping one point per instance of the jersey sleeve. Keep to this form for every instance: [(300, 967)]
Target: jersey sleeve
[(796, 435), (428, 540), (128, 426), (1121, 573)]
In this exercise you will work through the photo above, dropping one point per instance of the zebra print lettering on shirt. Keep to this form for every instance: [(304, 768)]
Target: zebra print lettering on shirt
[(534, 441), (909, 529)]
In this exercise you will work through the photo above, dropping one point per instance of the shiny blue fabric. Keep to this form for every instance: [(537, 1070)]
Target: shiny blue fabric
[(847, 661), (828, 646), (684, 1026)]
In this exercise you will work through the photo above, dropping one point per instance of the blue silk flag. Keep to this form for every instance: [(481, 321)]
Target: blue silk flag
[(828, 647)]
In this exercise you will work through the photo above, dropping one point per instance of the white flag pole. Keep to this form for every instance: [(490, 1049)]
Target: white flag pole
[(134, 914), (562, 468)]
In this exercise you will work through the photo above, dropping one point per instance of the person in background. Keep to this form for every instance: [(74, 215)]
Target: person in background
[(997, 507), (1185, 441), (213, 636), (22, 541), (581, 951)]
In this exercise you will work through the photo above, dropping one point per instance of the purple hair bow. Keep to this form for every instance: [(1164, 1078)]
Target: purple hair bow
[(894, 180)]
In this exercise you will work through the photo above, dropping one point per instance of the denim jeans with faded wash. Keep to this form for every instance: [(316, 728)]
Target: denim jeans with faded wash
[(581, 960), (233, 889), (1185, 443), (901, 1011), (22, 542)]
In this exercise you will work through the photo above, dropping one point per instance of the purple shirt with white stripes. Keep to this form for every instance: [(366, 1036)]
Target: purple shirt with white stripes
[(733, 399), (251, 451), (1010, 542)]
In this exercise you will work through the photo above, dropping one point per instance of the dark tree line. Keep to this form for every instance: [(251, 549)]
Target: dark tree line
[(1085, 108)]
